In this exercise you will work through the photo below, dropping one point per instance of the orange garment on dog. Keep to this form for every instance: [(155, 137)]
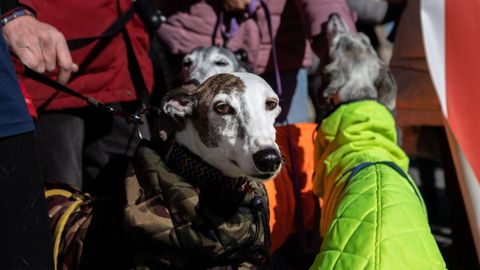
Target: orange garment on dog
[(281, 189)]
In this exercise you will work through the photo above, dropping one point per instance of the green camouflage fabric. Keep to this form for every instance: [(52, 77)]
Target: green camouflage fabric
[(179, 223)]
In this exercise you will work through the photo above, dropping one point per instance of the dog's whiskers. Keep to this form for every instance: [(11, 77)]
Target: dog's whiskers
[(283, 160)]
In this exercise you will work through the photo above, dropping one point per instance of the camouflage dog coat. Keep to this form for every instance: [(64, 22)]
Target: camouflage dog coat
[(183, 213)]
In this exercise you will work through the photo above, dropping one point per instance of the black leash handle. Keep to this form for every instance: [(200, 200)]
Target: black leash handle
[(53, 84)]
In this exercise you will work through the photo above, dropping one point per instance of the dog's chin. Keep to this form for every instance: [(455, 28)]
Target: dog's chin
[(263, 176), (254, 176), (231, 169)]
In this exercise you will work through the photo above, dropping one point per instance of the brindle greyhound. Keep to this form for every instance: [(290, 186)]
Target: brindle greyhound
[(228, 122)]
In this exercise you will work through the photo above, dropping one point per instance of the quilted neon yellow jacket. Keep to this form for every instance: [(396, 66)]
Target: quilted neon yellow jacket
[(373, 216)]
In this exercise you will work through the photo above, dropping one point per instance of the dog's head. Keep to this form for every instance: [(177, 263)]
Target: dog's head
[(228, 121), (355, 72), (202, 63)]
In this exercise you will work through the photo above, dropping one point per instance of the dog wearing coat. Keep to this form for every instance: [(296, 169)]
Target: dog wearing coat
[(195, 203), (373, 216), (223, 147), (218, 139)]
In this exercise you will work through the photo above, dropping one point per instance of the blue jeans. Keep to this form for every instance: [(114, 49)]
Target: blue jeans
[(294, 98)]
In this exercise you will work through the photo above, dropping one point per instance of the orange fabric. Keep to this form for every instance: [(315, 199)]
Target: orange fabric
[(280, 190)]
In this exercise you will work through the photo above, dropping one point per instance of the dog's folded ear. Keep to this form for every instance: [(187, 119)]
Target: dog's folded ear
[(180, 102), (178, 109), (175, 106), (386, 87)]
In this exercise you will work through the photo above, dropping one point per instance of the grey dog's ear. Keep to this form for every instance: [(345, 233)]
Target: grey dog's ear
[(175, 106), (179, 102), (386, 87)]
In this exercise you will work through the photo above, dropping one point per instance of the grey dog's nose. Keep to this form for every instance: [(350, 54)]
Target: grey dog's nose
[(267, 160)]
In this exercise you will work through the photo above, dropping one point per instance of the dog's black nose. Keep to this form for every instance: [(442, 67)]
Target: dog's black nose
[(267, 160)]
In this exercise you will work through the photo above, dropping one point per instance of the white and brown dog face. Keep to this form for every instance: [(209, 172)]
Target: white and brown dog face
[(355, 71), (202, 63), (228, 121)]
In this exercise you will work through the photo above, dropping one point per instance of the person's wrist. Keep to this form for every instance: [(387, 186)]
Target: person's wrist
[(14, 14)]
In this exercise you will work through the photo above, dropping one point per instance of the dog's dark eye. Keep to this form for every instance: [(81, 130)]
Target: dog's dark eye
[(271, 104), (187, 63), (223, 108), (221, 63)]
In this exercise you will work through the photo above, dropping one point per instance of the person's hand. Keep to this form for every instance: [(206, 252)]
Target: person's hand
[(39, 46), (235, 6)]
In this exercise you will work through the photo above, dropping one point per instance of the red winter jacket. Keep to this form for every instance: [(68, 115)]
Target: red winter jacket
[(107, 77)]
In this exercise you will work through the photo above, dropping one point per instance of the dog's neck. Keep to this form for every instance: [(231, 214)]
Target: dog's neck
[(190, 138), (191, 167)]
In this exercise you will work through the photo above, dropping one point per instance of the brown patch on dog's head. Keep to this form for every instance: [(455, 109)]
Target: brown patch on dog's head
[(192, 102), (223, 83)]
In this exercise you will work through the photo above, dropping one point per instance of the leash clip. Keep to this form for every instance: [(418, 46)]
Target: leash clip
[(137, 118), (256, 202)]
